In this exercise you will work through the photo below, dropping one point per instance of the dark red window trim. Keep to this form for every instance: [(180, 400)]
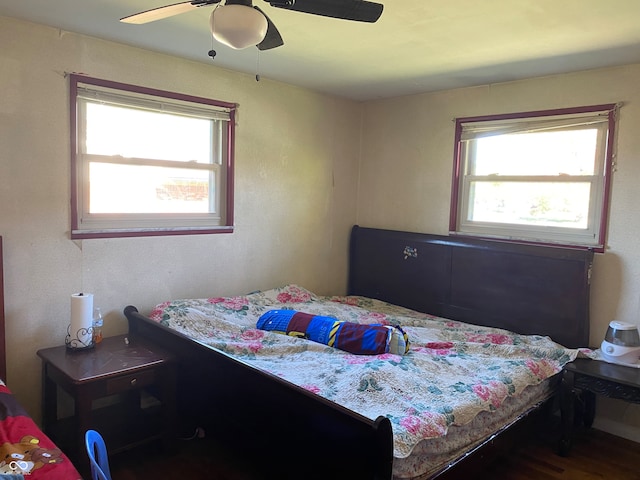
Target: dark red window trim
[(76, 79), (457, 163)]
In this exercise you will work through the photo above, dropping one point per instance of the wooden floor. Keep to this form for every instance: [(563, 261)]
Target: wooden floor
[(595, 455)]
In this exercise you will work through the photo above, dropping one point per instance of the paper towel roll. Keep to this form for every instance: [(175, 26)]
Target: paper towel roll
[(81, 320)]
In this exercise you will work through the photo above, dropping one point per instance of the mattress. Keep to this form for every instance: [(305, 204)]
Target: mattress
[(457, 383), (435, 454)]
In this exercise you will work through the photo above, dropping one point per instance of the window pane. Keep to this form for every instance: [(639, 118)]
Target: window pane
[(565, 152), (144, 189), (551, 204), (149, 162), (135, 133)]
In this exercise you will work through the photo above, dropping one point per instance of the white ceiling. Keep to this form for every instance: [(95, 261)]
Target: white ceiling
[(416, 46)]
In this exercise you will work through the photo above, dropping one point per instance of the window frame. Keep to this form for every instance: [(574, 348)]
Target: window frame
[(147, 224), (603, 176)]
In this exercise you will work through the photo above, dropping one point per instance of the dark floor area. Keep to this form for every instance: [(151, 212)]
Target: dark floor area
[(595, 455)]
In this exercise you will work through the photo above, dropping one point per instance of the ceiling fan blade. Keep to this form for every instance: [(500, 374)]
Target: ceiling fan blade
[(356, 10), (166, 11), (273, 38)]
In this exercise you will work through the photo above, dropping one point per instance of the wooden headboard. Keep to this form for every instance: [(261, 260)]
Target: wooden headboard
[(528, 289), (3, 359)]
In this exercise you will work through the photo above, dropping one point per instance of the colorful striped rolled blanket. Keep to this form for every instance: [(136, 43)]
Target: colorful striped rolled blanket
[(348, 336)]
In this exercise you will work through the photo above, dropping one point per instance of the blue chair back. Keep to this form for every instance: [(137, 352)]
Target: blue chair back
[(97, 452)]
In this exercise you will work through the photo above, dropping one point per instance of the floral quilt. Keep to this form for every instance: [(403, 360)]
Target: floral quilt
[(452, 372)]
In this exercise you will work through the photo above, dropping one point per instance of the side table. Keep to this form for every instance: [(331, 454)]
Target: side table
[(117, 367), (584, 378)]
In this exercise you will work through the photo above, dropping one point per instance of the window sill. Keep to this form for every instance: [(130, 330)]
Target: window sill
[(152, 232)]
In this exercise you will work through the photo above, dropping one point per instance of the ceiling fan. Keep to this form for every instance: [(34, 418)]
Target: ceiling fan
[(239, 24)]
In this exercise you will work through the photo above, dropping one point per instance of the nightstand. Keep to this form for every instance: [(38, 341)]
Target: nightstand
[(582, 379), (124, 388)]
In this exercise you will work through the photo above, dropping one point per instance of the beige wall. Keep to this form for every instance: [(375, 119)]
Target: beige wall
[(296, 169), (410, 139), (296, 185)]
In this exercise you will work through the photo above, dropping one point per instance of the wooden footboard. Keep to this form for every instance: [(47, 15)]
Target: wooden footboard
[(295, 433)]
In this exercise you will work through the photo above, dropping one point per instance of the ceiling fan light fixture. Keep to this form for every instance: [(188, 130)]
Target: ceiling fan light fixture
[(238, 26)]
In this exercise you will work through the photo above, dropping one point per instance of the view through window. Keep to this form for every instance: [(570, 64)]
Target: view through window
[(149, 162), (540, 177)]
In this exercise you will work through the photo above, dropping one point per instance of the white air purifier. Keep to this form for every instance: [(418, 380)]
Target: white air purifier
[(621, 343)]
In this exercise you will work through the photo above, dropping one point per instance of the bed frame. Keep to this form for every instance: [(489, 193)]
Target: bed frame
[(296, 434)]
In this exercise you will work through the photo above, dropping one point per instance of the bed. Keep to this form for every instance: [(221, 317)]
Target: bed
[(488, 309), (25, 451)]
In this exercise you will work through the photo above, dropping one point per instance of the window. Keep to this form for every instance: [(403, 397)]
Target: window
[(148, 162), (540, 177)]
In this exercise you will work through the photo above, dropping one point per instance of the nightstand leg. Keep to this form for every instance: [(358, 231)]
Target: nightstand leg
[(589, 399), (169, 408), (83, 405), (567, 413), (49, 402)]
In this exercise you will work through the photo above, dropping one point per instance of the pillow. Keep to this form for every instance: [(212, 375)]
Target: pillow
[(348, 336)]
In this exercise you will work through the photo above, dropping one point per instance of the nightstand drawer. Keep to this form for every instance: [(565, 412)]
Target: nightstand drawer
[(127, 382)]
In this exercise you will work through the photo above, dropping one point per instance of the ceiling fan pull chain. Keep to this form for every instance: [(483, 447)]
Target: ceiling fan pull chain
[(258, 67)]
